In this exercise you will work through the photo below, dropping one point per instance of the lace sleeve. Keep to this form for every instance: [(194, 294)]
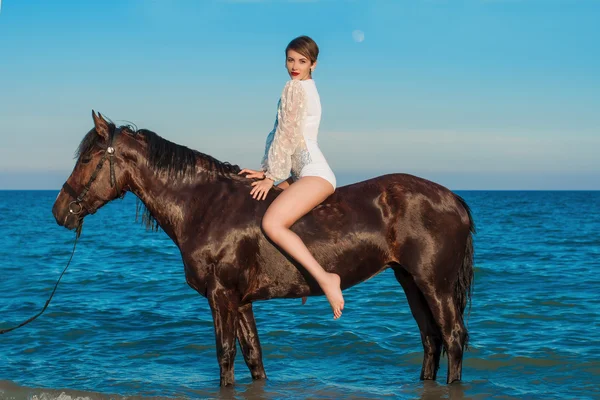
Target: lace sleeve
[(288, 131), (264, 162)]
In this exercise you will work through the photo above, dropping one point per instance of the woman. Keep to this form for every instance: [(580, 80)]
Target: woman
[(292, 147)]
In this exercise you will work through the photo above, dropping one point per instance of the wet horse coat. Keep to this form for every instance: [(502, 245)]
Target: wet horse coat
[(418, 228)]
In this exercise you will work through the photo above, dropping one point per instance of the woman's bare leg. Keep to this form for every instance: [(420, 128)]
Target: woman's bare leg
[(294, 202), (284, 185)]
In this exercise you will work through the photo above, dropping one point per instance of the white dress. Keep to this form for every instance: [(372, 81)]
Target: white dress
[(292, 146)]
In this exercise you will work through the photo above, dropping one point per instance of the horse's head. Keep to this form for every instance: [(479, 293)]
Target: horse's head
[(97, 177)]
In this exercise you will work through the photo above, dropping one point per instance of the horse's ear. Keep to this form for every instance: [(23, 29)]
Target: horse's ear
[(101, 125)]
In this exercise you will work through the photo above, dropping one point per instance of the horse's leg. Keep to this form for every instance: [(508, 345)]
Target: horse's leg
[(439, 296), (248, 337), (455, 337), (224, 306), (431, 336)]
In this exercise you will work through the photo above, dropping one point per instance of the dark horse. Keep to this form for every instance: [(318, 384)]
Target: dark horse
[(420, 229)]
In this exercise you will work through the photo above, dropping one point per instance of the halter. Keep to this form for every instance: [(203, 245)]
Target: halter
[(78, 202)]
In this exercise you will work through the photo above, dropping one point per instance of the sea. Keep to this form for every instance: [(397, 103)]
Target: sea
[(123, 323)]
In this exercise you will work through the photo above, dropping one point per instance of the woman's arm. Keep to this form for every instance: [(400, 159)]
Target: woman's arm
[(288, 134)]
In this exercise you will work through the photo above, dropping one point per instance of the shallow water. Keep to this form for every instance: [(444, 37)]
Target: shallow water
[(124, 322)]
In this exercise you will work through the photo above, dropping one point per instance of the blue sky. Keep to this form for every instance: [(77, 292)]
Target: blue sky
[(480, 94)]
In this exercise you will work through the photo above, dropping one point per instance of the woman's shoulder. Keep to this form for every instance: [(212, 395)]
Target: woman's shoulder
[(293, 86), (298, 82)]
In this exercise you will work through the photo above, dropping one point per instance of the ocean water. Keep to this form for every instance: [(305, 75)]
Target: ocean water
[(124, 324)]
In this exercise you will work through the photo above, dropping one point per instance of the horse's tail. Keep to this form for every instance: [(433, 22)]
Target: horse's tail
[(463, 287)]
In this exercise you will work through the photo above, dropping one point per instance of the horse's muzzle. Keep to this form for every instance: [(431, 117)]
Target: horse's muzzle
[(69, 215)]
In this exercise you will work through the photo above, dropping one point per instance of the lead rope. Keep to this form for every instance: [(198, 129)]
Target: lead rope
[(78, 233)]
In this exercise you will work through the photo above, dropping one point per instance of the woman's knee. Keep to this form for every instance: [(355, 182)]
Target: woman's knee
[(270, 226)]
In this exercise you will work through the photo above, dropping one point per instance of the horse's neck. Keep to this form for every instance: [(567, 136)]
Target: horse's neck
[(165, 198), (169, 199)]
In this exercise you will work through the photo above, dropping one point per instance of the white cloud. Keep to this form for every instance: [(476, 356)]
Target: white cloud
[(456, 151)]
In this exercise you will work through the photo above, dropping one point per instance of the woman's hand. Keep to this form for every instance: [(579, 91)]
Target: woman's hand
[(261, 188), (252, 173)]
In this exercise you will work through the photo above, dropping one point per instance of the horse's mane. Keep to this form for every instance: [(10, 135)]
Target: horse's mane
[(163, 155), (176, 160)]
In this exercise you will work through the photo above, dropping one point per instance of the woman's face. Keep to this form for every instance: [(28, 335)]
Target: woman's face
[(298, 66)]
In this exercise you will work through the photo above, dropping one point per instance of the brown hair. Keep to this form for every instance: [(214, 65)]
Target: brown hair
[(305, 46)]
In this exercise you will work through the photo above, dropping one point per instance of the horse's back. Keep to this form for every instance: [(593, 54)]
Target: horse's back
[(405, 208), (403, 190)]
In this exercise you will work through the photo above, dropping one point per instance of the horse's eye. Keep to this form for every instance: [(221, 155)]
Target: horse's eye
[(86, 160)]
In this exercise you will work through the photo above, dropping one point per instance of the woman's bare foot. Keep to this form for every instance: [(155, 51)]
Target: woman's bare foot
[(333, 291)]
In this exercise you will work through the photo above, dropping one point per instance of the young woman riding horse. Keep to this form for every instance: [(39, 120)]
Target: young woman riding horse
[(292, 147)]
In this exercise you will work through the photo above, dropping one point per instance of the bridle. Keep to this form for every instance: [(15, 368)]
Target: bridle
[(77, 205)]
